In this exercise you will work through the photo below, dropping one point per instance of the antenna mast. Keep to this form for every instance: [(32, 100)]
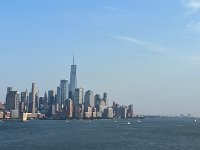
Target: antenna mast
[(73, 58)]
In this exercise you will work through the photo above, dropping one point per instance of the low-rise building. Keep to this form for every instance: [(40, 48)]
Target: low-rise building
[(14, 114), (88, 113), (1, 114), (7, 115), (1, 105)]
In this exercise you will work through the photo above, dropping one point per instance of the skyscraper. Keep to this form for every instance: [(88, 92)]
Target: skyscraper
[(64, 91), (30, 103), (58, 98), (105, 97), (9, 89), (69, 108), (41, 103), (89, 99), (24, 96), (73, 80), (51, 97), (33, 91), (36, 101), (12, 100), (130, 111), (45, 100), (97, 99), (24, 101), (78, 97)]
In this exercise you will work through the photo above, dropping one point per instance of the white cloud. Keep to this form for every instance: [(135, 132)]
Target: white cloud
[(193, 6), (152, 46), (157, 48), (194, 25), (111, 8)]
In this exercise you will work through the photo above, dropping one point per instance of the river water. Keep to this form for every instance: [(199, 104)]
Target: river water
[(149, 134)]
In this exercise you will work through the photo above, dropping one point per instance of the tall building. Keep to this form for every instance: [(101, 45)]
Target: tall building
[(45, 100), (33, 95), (105, 97), (37, 101), (51, 97), (78, 97), (69, 108), (24, 96), (58, 98), (102, 105), (30, 103), (130, 111), (73, 80), (64, 91), (9, 89), (97, 99), (24, 101), (89, 99), (12, 100), (122, 112), (41, 103)]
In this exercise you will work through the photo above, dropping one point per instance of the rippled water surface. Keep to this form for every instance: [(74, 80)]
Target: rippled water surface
[(149, 134)]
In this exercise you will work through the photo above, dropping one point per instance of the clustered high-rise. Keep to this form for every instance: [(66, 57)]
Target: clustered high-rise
[(67, 101)]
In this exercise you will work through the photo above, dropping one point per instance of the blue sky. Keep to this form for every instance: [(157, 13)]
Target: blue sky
[(140, 52)]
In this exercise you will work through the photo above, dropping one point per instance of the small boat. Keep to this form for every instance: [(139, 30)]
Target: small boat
[(129, 122), (115, 121), (138, 121), (195, 120)]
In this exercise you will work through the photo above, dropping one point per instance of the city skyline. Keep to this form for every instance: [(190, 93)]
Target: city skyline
[(140, 52), (68, 102)]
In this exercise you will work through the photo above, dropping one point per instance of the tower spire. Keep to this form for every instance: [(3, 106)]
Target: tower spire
[(73, 58)]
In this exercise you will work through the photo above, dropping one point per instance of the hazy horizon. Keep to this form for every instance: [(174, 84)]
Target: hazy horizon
[(144, 53)]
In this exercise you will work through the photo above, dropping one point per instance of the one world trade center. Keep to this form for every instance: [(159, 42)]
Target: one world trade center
[(73, 80)]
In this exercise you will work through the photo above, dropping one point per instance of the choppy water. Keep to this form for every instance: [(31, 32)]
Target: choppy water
[(150, 134)]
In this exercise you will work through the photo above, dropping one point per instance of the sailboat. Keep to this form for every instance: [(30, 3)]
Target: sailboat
[(129, 122), (67, 120), (115, 120)]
